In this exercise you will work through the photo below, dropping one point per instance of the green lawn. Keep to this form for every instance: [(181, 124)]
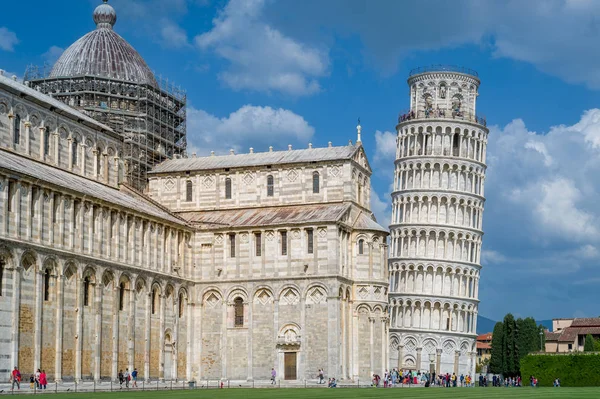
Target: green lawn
[(349, 393)]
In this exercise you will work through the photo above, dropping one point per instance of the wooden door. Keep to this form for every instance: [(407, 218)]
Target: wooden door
[(290, 365)]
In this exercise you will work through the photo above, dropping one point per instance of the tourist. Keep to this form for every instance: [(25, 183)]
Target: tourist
[(37, 378), (31, 381), (462, 380), (273, 375), (321, 376), (120, 379), (134, 375), (15, 378), (43, 380), (557, 382), (126, 377)]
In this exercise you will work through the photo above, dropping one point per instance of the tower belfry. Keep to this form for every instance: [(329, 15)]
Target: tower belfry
[(436, 227)]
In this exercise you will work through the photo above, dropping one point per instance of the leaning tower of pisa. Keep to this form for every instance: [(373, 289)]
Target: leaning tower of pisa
[(436, 228)]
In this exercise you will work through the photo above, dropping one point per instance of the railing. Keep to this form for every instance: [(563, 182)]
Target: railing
[(408, 115), (180, 385), (443, 68)]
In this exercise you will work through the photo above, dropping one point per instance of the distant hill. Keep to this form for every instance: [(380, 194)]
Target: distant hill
[(485, 325)]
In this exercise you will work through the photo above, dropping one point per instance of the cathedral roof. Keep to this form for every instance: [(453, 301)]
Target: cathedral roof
[(87, 188), (103, 53), (257, 159), (271, 216), (366, 222)]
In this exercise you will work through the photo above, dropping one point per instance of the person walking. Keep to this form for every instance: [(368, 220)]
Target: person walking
[(273, 375), (127, 377), (15, 378), (134, 375), (121, 379), (321, 376)]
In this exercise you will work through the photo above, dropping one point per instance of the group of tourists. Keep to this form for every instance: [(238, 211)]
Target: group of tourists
[(395, 377), (38, 380), (126, 377)]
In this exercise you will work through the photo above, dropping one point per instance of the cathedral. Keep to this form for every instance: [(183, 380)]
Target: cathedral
[(118, 250)]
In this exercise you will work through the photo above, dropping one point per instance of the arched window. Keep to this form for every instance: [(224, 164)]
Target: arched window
[(17, 129), (315, 182), (238, 304), (86, 291), (180, 305), (269, 186), (121, 296), (189, 187), (228, 188), (1, 275), (47, 141), (98, 160), (455, 144), (361, 246), (74, 148), (47, 285), (154, 300)]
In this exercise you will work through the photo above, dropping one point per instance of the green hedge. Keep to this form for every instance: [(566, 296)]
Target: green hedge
[(574, 370)]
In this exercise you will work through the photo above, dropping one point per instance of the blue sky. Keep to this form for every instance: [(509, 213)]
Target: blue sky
[(261, 72)]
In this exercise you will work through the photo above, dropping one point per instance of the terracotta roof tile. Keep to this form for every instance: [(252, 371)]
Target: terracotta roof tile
[(586, 322)]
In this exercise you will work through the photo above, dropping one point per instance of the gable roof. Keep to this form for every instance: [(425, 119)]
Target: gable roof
[(87, 188), (586, 322), (340, 153), (271, 216)]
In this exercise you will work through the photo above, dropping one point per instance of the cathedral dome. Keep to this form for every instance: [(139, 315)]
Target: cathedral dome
[(103, 53)]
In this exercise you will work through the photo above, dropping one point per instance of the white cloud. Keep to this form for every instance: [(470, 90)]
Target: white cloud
[(173, 35), (381, 208), (262, 58), (491, 256), (385, 146), (8, 39), (248, 126), (557, 36), (53, 54)]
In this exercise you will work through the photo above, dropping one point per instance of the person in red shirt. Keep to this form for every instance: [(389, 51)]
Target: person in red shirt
[(43, 380), (15, 378)]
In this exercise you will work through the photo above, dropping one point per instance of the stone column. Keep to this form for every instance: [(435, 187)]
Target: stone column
[(115, 326), (456, 360), (174, 372), (42, 142), (27, 125), (83, 152), (98, 327), (400, 357), (148, 330), (190, 338), (438, 361), (37, 351), (250, 352), (419, 352), (131, 327), (79, 327), (91, 229), (16, 305), (56, 137), (17, 208), (161, 335), (60, 284), (384, 345), (371, 346)]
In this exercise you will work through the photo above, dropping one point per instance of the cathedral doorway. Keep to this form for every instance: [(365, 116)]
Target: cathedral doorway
[(290, 365)]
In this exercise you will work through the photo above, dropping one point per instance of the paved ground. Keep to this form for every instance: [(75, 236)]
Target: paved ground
[(341, 393)]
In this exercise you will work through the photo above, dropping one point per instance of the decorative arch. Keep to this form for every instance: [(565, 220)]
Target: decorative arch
[(289, 295), (263, 295)]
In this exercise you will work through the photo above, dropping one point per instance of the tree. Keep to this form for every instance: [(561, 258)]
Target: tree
[(510, 347), (496, 360), (597, 345), (589, 343)]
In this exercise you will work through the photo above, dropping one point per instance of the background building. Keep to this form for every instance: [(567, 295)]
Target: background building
[(437, 209), (225, 267), (484, 347), (568, 335)]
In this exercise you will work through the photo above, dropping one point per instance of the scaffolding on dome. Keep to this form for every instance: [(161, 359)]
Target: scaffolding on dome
[(151, 120)]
